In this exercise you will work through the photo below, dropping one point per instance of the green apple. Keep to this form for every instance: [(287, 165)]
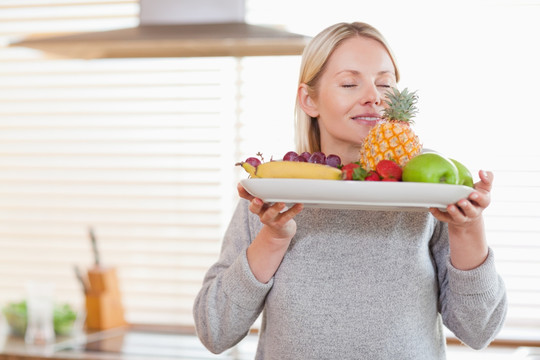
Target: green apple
[(431, 168), (465, 177)]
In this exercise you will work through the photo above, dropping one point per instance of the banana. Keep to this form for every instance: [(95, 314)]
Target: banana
[(292, 170), (251, 170)]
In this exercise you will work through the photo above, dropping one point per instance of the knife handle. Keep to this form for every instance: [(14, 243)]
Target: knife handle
[(93, 240)]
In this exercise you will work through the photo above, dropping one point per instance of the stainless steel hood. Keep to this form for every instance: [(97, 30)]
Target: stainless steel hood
[(178, 28)]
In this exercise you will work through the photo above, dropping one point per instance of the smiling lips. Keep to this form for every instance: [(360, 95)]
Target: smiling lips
[(370, 120)]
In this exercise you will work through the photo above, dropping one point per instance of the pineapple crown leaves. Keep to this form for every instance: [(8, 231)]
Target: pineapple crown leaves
[(401, 105)]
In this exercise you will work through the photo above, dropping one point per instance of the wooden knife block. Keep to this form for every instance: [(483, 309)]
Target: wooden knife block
[(104, 308)]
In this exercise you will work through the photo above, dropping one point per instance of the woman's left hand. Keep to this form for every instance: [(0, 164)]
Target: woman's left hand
[(467, 211), (467, 237)]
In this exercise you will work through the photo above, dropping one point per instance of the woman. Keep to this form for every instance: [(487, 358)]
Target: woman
[(351, 284)]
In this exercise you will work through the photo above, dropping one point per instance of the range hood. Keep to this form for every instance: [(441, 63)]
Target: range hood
[(178, 28)]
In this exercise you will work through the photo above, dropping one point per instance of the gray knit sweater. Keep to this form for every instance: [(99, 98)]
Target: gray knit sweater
[(353, 285)]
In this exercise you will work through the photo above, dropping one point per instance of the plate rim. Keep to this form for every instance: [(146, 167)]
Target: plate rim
[(370, 185)]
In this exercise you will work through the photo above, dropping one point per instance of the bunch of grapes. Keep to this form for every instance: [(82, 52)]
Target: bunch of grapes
[(316, 158)]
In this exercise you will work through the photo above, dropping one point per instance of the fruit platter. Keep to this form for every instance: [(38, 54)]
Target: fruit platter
[(431, 180), (393, 170)]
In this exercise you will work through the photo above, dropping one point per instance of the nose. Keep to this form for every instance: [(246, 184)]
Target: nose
[(370, 95)]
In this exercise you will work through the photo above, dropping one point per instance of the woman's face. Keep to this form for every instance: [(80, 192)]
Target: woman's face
[(349, 97)]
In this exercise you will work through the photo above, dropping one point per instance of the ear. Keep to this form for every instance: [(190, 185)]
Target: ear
[(306, 102)]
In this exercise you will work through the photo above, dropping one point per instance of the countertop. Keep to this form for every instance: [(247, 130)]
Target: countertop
[(128, 343), (143, 343)]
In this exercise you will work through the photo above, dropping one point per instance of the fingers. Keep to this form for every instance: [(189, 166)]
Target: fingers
[(292, 212), (256, 205), (471, 208), (276, 214), (439, 215), (272, 213), (454, 214), (464, 211), (480, 199), (243, 192), (486, 181)]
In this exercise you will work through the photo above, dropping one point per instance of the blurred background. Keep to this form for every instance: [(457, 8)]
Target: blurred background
[(142, 149)]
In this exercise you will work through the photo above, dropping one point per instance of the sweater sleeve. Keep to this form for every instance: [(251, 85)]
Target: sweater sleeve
[(231, 298), (472, 303)]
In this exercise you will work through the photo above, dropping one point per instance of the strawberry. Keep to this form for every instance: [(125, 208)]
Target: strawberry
[(389, 170), (373, 176), (353, 171), (347, 170)]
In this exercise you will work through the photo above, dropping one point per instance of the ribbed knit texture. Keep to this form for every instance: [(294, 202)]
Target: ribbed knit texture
[(353, 285)]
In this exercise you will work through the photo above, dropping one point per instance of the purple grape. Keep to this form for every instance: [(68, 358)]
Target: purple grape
[(317, 158), (333, 160), (253, 161), (300, 158), (290, 156), (305, 155)]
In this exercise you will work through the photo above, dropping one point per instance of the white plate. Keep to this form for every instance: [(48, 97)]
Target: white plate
[(367, 195)]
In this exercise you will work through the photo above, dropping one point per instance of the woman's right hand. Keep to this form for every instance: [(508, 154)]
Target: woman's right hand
[(278, 220), (268, 248)]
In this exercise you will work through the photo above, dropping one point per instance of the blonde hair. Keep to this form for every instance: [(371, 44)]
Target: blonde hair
[(314, 59)]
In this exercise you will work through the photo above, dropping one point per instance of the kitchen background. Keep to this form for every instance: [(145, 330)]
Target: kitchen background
[(142, 150)]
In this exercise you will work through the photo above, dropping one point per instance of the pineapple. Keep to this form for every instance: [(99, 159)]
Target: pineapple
[(393, 139)]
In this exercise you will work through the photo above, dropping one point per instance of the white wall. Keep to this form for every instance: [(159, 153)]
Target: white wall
[(474, 64)]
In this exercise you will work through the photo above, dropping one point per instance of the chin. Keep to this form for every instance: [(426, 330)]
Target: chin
[(363, 133)]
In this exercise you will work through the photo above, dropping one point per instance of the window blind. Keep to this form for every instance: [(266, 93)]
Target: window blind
[(38, 18), (134, 152), (137, 149)]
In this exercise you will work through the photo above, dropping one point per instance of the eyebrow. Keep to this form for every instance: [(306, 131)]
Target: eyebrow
[(356, 72)]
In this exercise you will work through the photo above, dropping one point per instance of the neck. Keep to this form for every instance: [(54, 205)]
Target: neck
[(347, 155)]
